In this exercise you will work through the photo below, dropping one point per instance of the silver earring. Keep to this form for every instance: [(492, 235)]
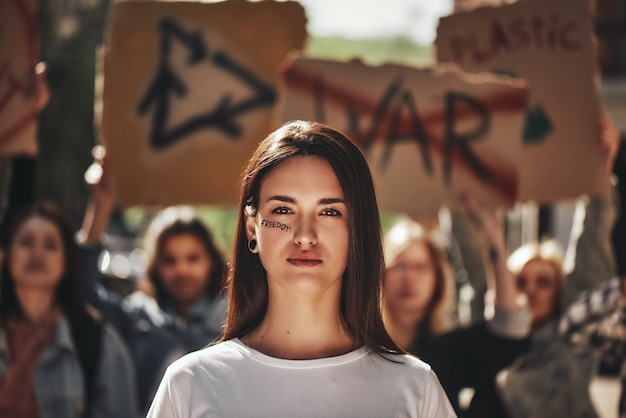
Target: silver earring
[(252, 245)]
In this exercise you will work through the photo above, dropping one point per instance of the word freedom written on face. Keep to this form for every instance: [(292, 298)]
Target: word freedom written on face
[(277, 225)]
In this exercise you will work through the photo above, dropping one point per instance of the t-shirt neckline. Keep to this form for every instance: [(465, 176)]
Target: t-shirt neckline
[(281, 362)]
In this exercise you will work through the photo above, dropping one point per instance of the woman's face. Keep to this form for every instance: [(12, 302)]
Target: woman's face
[(184, 266), (539, 282), (301, 227), (37, 255), (410, 281)]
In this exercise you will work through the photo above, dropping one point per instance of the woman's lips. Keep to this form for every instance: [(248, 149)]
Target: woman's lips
[(304, 259), (298, 262), (35, 266)]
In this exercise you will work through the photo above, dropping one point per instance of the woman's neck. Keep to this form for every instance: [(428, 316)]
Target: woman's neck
[(36, 303), (181, 308), (301, 330)]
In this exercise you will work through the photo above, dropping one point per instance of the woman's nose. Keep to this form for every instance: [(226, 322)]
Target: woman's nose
[(305, 233)]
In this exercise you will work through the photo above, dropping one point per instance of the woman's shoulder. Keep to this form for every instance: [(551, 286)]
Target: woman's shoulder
[(207, 357)]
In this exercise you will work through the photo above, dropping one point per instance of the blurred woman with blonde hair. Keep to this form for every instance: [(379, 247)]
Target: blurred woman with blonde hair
[(550, 366), (418, 305), (404, 238)]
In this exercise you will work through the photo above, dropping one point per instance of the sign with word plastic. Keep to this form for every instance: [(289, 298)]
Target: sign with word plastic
[(549, 44), (188, 92), (18, 57), (428, 135)]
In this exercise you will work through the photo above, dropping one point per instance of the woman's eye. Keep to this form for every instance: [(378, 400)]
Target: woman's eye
[(26, 242), (51, 245), (282, 210), (167, 261), (331, 212), (544, 282)]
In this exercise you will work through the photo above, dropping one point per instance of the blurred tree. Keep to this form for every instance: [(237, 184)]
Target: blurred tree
[(70, 32)]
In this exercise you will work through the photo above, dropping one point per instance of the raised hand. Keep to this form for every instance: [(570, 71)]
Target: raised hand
[(102, 200)]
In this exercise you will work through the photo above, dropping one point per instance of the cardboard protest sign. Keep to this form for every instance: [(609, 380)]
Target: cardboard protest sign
[(549, 44), (188, 92), (428, 135), (18, 57)]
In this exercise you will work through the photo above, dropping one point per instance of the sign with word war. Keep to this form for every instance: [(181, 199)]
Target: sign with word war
[(18, 57), (549, 43), (428, 135), (188, 92)]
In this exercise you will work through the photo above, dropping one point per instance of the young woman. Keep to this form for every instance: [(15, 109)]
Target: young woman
[(56, 358), (178, 308), (304, 333), (418, 304)]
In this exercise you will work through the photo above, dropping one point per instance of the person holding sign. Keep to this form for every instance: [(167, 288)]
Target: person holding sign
[(57, 357), (418, 304), (304, 332), (179, 306), (552, 378)]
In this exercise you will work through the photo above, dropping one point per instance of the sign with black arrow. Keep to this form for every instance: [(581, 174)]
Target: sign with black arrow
[(189, 90)]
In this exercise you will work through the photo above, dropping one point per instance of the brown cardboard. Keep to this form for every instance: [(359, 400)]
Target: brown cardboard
[(548, 43), (398, 116), (18, 57), (216, 63)]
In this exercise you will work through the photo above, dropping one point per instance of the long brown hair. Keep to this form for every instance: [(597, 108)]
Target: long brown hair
[(362, 280)]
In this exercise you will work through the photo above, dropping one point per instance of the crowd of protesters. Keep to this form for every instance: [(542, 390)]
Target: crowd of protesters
[(71, 347), (546, 332)]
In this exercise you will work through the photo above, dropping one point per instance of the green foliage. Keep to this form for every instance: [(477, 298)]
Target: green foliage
[(223, 222), (396, 50)]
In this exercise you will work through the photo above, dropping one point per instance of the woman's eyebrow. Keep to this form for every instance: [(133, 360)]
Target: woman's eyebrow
[(325, 201), (330, 201), (285, 199)]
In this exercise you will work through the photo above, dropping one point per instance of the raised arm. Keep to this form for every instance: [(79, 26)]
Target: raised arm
[(511, 317), (90, 236), (589, 259)]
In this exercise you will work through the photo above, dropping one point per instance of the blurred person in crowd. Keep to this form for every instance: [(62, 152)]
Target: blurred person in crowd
[(304, 333), (57, 357), (551, 379), (419, 297), (596, 321), (179, 306)]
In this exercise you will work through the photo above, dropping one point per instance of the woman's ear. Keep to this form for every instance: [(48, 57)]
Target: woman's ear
[(250, 214)]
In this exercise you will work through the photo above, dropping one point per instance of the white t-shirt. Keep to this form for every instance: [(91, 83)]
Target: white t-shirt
[(232, 380)]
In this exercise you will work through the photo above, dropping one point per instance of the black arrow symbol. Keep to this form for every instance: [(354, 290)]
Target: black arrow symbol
[(166, 82)]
